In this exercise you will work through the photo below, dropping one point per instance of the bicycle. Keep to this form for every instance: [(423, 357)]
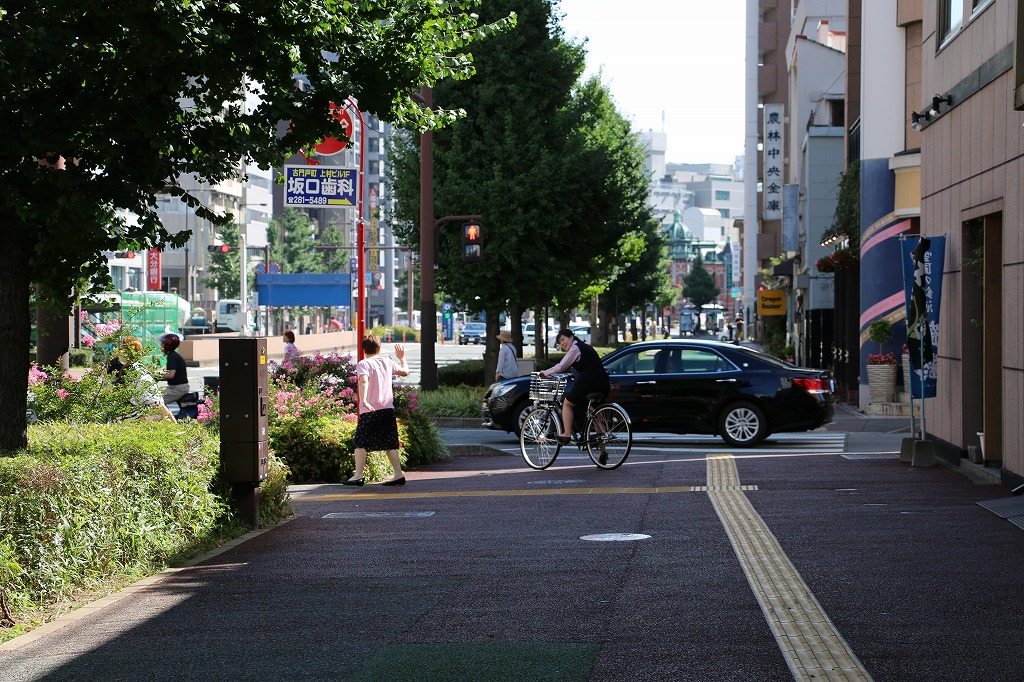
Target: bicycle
[(607, 435)]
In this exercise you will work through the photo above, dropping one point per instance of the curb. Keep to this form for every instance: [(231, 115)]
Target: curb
[(475, 451), (458, 422)]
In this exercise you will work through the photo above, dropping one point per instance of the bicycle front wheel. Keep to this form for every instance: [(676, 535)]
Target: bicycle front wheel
[(609, 437), (537, 439)]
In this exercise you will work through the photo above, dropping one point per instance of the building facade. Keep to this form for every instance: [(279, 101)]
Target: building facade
[(972, 182)]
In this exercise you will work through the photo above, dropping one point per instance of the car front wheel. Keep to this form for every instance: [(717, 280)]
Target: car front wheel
[(742, 425)]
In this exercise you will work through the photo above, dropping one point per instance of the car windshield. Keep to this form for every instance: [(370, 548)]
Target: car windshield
[(475, 327)]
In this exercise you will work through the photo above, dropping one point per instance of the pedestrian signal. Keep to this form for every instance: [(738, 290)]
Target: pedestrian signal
[(472, 239)]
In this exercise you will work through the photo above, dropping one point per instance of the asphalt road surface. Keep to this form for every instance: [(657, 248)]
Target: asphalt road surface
[(813, 558)]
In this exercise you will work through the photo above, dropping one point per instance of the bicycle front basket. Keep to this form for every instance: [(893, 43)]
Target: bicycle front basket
[(547, 389)]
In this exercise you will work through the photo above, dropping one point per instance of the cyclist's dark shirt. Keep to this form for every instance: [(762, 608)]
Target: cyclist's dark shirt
[(177, 363)]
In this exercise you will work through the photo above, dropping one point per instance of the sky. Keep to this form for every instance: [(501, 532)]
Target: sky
[(683, 59)]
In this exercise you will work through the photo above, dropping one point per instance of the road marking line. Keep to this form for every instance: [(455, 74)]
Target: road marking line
[(812, 646), (507, 493)]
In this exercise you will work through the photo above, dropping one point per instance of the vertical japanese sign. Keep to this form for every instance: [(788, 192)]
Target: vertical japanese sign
[(154, 273), (923, 260), (774, 154), (791, 218)]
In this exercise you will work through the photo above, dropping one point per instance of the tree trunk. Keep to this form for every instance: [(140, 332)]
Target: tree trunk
[(491, 348), (515, 312), (14, 333)]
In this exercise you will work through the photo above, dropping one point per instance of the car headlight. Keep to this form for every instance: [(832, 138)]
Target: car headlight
[(502, 389)]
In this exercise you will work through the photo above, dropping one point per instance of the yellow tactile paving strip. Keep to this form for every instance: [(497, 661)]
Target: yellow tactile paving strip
[(810, 643), (510, 493)]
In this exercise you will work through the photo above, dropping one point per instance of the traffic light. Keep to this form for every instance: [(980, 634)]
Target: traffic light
[(472, 240), (219, 248), (124, 254), (378, 280)]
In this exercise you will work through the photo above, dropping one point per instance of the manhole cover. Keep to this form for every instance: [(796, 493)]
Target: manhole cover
[(377, 515), (615, 537)]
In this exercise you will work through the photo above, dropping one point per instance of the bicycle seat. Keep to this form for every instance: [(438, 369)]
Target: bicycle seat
[(595, 397)]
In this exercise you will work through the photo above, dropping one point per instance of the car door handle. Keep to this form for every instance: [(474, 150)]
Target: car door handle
[(725, 381)]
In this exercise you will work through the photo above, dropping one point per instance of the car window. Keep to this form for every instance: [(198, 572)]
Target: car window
[(696, 360), (641, 362)]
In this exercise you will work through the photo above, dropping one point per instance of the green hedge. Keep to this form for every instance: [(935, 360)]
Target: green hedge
[(319, 449), (89, 503), (471, 372), (453, 402), (465, 373)]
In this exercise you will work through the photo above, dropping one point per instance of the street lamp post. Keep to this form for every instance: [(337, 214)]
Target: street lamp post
[(243, 233)]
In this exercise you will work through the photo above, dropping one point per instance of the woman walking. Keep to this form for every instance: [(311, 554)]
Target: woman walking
[(377, 428)]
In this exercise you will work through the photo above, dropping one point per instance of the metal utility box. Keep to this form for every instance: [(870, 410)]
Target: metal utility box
[(244, 409)]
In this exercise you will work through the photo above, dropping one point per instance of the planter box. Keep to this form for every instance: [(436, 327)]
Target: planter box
[(882, 383)]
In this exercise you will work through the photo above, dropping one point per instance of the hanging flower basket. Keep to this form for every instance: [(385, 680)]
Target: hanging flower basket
[(839, 259)]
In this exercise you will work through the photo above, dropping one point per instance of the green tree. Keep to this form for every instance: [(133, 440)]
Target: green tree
[(700, 285), (504, 161), (225, 268), (292, 239), (644, 280), (95, 91), (553, 169), (606, 195)]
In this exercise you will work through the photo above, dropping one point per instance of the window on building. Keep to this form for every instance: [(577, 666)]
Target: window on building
[(725, 214), (950, 18), (1018, 65), (837, 112), (721, 195)]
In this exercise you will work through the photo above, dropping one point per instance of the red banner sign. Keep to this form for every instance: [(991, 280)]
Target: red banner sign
[(153, 272)]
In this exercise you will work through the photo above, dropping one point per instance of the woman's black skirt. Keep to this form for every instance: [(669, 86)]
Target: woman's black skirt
[(377, 430)]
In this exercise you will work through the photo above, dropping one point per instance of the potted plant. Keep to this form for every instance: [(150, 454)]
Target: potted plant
[(881, 366)]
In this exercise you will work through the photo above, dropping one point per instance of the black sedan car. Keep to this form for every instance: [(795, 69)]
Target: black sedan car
[(692, 386)]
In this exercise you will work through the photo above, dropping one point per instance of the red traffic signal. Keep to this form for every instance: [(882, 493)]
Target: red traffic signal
[(219, 248), (124, 254), (471, 233), (472, 238)]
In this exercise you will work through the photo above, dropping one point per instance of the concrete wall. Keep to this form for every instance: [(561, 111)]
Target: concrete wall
[(199, 351)]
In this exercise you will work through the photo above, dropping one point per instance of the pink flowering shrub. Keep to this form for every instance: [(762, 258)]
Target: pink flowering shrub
[(313, 416), (87, 396)]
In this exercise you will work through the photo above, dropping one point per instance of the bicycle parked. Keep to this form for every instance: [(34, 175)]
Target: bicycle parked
[(606, 434)]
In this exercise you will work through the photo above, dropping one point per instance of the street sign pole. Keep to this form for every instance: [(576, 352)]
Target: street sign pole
[(361, 233)]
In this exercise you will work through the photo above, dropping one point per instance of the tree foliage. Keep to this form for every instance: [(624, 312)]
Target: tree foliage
[(224, 270), (700, 285), (548, 162), (109, 103)]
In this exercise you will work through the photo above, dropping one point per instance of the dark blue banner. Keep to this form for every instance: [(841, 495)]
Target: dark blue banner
[(923, 260)]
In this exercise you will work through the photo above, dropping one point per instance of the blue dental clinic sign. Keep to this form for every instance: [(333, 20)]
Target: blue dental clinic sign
[(323, 186)]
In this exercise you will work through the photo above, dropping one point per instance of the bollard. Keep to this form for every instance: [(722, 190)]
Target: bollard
[(924, 454), (907, 450)]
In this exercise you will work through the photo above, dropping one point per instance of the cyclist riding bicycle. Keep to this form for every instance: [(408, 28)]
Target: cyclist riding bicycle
[(592, 377)]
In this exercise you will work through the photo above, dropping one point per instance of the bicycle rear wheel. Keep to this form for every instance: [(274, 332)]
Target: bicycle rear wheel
[(609, 437), (537, 439)]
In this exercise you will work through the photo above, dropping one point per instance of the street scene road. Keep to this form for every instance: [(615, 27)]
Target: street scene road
[(815, 556)]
